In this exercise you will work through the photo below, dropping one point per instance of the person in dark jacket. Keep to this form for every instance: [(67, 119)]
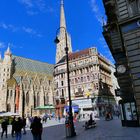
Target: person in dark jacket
[(13, 126), (4, 128), (18, 128), (24, 125), (36, 128)]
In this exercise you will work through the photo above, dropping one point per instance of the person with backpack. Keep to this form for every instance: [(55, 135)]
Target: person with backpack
[(36, 128)]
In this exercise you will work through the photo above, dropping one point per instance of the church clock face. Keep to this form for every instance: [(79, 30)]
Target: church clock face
[(121, 69)]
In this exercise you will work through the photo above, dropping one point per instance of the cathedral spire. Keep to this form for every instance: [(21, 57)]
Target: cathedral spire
[(8, 52), (62, 15), (60, 51)]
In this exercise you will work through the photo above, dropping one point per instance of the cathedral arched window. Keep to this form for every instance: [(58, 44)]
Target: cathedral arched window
[(47, 99), (11, 93), (57, 94), (38, 99), (7, 93), (8, 107), (88, 78), (62, 92), (87, 69), (27, 98), (80, 71), (81, 79), (34, 101)]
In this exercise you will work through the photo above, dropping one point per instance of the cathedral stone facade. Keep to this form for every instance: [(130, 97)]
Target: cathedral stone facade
[(24, 84)]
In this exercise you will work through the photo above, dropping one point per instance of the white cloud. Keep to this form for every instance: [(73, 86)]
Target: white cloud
[(105, 49), (94, 6), (96, 11), (33, 7), (28, 30), (102, 42), (13, 28), (31, 31), (8, 27), (27, 3), (2, 45), (4, 26), (32, 13), (11, 45)]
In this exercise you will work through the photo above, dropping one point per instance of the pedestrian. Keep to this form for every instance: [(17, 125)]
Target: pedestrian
[(4, 128), (118, 113), (13, 127), (36, 128), (18, 128), (59, 118), (24, 125), (28, 122)]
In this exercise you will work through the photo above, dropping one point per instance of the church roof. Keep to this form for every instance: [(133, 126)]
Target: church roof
[(32, 66)]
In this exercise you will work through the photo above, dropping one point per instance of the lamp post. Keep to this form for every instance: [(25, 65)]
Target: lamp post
[(72, 129)]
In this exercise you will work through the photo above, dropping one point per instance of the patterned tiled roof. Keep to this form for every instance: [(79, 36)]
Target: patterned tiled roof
[(31, 66)]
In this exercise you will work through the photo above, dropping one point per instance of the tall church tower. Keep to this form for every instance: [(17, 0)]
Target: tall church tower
[(6, 66), (60, 51)]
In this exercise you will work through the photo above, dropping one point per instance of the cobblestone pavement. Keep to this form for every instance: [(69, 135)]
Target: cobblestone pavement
[(105, 130)]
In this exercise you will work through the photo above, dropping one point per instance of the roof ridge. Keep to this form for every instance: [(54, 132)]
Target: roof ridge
[(31, 59)]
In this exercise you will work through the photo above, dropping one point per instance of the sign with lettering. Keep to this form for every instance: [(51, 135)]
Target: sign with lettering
[(83, 103)]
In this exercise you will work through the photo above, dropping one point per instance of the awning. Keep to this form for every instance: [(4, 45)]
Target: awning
[(45, 107), (6, 114)]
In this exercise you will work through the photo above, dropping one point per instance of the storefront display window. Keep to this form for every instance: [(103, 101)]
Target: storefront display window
[(134, 113), (130, 111)]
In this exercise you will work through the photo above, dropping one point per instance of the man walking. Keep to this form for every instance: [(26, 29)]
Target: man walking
[(18, 128)]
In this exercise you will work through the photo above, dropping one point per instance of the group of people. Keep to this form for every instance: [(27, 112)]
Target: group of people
[(19, 124)]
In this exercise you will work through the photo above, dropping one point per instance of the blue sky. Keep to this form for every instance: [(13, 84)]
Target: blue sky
[(29, 26)]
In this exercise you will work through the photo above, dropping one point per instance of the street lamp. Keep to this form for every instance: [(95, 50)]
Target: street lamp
[(72, 129)]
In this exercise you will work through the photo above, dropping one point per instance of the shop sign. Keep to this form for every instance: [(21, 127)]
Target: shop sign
[(83, 103)]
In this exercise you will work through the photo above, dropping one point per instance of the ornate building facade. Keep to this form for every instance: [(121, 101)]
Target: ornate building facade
[(90, 77), (24, 84), (122, 34), (90, 81)]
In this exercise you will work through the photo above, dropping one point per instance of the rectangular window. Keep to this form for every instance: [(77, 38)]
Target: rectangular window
[(62, 83), (133, 7)]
